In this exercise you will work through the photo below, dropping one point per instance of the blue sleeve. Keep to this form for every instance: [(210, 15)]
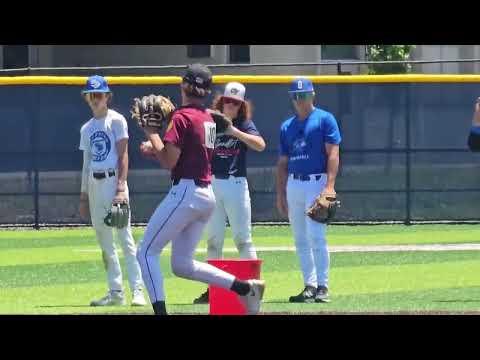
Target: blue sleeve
[(283, 146), (250, 128), (475, 130), (331, 133)]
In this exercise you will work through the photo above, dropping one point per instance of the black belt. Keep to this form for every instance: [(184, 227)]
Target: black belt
[(197, 182), (102, 175), (222, 176), (305, 177)]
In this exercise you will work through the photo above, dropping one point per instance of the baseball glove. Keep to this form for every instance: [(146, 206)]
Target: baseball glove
[(152, 111), (222, 121), (324, 208), (118, 215)]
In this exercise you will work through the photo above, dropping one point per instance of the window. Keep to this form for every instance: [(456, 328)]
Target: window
[(239, 53), (15, 56), (198, 51), (336, 52)]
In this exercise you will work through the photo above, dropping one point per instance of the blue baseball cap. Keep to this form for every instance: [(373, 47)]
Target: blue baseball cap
[(96, 84), (301, 85)]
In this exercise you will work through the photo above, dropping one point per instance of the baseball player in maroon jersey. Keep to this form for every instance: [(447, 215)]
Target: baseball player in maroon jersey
[(186, 150)]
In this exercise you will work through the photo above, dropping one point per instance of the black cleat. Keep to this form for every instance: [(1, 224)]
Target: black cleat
[(306, 296), (322, 295), (202, 299)]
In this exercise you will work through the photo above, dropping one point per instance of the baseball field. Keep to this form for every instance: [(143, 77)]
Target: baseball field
[(432, 269)]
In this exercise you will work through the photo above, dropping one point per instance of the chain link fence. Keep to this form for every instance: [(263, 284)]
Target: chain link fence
[(403, 157)]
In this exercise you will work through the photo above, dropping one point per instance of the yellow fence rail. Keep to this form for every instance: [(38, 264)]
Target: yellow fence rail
[(252, 79)]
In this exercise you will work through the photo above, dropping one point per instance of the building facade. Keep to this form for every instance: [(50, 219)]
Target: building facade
[(53, 56)]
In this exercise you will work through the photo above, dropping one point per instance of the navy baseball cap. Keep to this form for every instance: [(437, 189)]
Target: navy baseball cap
[(301, 85), (96, 84), (198, 75)]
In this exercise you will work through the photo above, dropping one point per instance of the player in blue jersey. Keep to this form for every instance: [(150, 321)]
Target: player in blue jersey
[(307, 166)]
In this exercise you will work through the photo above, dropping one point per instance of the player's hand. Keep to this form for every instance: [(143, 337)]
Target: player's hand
[(476, 114), (282, 205), (146, 149), (120, 198), (329, 191), (84, 210)]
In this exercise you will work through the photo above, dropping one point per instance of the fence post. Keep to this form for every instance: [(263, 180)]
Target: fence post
[(33, 115), (408, 215)]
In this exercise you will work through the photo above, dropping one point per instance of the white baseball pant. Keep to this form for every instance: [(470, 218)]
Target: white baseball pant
[(180, 218), (310, 240), (101, 193), (232, 201)]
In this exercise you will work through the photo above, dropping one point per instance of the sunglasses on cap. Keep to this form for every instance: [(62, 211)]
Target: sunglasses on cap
[(301, 95), (232, 101)]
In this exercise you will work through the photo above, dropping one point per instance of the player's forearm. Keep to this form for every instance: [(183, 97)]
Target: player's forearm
[(476, 117), (85, 175), (160, 151), (122, 172), (254, 142), (333, 162), (281, 179)]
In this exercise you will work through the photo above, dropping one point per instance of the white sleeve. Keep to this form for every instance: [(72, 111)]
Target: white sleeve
[(120, 128), (85, 171), (83, 146)]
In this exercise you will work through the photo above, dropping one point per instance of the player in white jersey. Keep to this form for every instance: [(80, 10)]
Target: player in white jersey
[(104, 141)]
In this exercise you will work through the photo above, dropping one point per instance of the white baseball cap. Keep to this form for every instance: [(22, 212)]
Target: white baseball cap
[(235, 90)]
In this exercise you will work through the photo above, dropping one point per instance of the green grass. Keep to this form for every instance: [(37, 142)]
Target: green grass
[(61, 271)]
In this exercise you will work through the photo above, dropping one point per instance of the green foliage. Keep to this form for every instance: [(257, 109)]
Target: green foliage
[(389, 53)]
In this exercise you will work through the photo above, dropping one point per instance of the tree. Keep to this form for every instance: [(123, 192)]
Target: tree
[(389, 53)]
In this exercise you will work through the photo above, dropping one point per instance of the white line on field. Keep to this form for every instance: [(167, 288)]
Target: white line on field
[(348, 248)]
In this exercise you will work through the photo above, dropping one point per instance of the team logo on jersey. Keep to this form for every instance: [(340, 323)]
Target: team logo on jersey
[(299, 145), (100, 145), (299, 150), (226, 146)]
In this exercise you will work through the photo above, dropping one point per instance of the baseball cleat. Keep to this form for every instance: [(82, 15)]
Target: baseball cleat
[(253, 299), (138, 299), (113, 298), (322, 295), (306, 296), (202, 299)]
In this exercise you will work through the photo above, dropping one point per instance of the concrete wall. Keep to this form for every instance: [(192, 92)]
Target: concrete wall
[(125, 55)]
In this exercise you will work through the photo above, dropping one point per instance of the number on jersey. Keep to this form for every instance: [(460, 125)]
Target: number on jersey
[(210, 134)]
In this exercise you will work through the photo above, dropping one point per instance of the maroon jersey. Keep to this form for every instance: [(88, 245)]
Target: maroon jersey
[(192, 130)]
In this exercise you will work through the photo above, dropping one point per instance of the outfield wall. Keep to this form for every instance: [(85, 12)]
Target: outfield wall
[(403, 156)]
